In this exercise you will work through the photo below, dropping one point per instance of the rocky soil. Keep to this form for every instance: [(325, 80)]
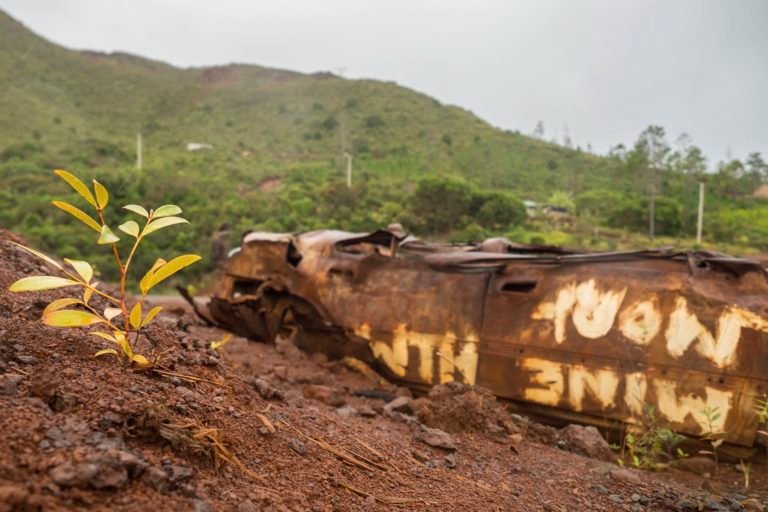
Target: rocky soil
[(251, 427)]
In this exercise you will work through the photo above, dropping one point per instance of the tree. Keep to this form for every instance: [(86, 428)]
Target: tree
[(538, 132), (567, 142), (757, 167), (652, 148), (441, 204), (497, 210), (687, 158)]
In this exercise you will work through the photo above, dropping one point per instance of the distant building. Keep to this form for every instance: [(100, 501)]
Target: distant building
[(761, 192), (197, 146), (531, 207)]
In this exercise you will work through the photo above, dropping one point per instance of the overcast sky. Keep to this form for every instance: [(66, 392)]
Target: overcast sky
[(606, 69)]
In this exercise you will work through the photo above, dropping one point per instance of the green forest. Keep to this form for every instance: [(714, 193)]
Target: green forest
[(278, 145)]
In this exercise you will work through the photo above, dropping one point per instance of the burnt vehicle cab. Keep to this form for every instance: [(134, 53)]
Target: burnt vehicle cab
[(590, 337)]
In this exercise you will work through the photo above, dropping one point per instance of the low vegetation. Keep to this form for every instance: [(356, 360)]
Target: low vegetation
[(648, 444)]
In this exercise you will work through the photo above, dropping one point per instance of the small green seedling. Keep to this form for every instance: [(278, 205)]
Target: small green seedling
[(712, 432), (650, 445), (78, 312)]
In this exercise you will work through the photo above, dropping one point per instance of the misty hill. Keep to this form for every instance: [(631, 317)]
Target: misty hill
[(71, 99)]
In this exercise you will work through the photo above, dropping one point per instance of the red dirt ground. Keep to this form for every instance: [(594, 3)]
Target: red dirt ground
[(81, 433)]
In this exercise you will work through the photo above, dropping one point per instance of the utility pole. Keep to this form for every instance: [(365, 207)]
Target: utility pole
[(349, 169), (138, 151), (652, 212), (700, 223)]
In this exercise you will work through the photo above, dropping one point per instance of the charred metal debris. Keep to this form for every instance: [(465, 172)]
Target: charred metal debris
[(588, 337)]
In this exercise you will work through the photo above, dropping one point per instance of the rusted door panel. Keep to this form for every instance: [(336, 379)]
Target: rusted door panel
[(595, 341), (422, 325)]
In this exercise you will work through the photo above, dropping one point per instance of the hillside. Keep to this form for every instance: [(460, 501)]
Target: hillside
[(67, 99), (276, 163)]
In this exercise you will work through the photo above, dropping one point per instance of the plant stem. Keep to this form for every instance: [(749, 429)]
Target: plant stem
[(124, 275), (123, 307)]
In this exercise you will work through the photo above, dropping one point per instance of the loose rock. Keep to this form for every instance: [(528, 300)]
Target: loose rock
[(298, 446), (324, 394), (627, 476), (401, 404), (9, 383), (267, 390), (587, 441), (436, 438)]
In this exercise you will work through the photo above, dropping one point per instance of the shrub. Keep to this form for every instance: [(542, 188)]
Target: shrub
[(440, 204), (496, 210)]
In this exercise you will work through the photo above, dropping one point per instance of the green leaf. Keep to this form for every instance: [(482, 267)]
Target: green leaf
[(70, 318), (40, 255), (170, 268), (59, 304), (162, 223), (83, 268), (110, 313), (76, 184), (102, 196), (137, 209), (78, 214), (37, 283), (130, 227), (151, 315), (136, 316), (107, 236), (166, 211), (106, 352), (144, 283)]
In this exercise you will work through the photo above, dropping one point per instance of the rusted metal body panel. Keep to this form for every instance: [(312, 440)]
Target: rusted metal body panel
[(595, 335)]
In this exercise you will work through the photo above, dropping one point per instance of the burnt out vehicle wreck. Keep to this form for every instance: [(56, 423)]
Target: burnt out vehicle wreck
[(588, 337)]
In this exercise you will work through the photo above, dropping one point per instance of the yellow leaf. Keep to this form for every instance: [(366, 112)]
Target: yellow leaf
[(144, 283), (78, 214), (130, 227), (76, 184), (151, 315), (70, 318), (110, 313), (215, 345), (102, 196), (40, 255), (107, 236), (166, 211), (104, 335), (137, 209), (59, 304), (173, 266), (36, 283), (83, 268), (140, 360), (106, 352), (87, 294), (162, 223), (122, 342), (136, 316)]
